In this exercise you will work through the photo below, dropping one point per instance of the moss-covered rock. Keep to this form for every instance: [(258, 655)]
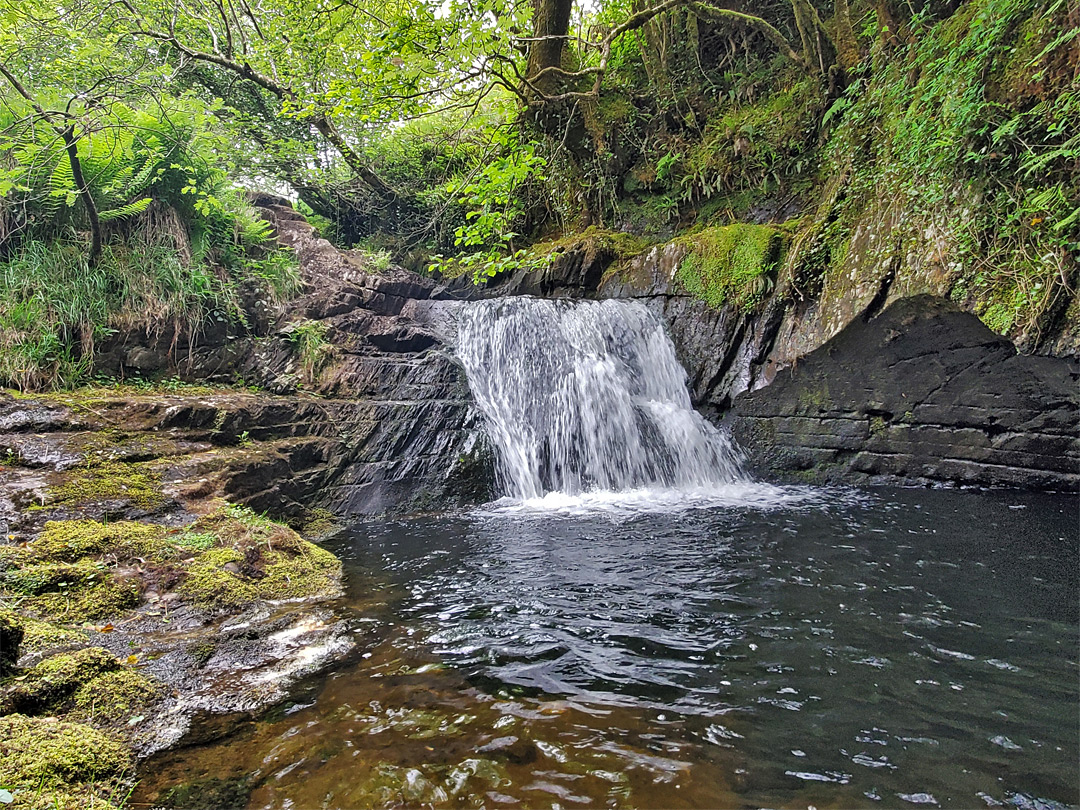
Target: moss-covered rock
[(42, 635), (256, 558), (55, 679), (47, 763), (225, 794), (70, 540), (39, 578), (113, 698), (71, 592), (14, 557), (137, 485), (731, 265)]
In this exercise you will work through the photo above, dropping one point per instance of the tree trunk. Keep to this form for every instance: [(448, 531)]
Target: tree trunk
[(71, 144), (551, 25)]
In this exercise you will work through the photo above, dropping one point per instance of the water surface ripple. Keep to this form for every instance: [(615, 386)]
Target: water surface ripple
[(887, 648)]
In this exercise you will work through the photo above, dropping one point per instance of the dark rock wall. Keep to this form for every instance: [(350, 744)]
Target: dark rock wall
[(923, 391), (905, 388)]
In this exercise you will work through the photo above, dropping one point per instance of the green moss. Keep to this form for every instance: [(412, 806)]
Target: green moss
[(592, 241), (14, 557), (107, 598), (757, 145), (813, 400), (56, 678), (40, 578), (114, 697), (71, 592), (47, 763), (135, 484), (265, 559), (731, 265), (202, 652), (75, 539), (41, 635)]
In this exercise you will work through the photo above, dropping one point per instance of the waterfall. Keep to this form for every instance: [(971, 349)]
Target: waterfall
[(585, 396)]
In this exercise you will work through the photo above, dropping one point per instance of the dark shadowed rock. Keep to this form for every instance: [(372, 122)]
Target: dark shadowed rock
[(923, 391)]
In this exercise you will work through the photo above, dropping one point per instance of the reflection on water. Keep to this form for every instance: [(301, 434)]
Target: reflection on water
[(892, 648)]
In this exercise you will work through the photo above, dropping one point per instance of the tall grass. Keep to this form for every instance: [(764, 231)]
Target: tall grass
[(55, 308)]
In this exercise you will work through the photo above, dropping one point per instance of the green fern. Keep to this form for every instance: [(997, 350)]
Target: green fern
[(129, 210)]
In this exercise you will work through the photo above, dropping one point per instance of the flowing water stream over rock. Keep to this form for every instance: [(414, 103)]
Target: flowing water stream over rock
[(587, 397), (639, 624)]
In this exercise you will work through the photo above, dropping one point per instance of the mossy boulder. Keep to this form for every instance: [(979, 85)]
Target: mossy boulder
[(199, 794), (39, 578), (53, 764), (113, 698), (14, 557), (42, 635), (226, 559), (73, 592), (55, 679)]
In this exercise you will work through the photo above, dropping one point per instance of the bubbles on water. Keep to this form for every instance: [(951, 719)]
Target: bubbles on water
[(918, 798)]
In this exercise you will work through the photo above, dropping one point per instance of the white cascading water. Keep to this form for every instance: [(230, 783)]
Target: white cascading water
[(587, 396)]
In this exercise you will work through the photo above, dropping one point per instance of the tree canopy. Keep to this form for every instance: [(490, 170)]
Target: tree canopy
[(458, 131)]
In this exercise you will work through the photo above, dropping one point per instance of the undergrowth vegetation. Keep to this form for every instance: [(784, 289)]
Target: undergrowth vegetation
[(939, 139), (179, 241), (969, 146)]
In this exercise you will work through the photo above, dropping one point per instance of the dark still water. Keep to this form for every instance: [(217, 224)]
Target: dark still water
[(882, 648)]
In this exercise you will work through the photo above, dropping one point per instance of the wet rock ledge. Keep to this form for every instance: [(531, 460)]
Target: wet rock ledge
[(138, 606)]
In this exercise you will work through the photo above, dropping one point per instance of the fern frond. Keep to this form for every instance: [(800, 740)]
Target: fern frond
[(129, 210)]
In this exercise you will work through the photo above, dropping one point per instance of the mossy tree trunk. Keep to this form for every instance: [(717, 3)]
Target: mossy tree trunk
[(61, 124)]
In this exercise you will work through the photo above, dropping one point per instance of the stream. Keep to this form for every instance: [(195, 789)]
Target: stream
[(639, 623), (839, 649)]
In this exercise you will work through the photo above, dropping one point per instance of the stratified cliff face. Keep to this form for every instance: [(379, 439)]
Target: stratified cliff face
[(359, 406), (411, 432), (923, 391)]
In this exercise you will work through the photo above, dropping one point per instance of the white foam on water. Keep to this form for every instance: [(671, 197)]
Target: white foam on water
[(741, 495)]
